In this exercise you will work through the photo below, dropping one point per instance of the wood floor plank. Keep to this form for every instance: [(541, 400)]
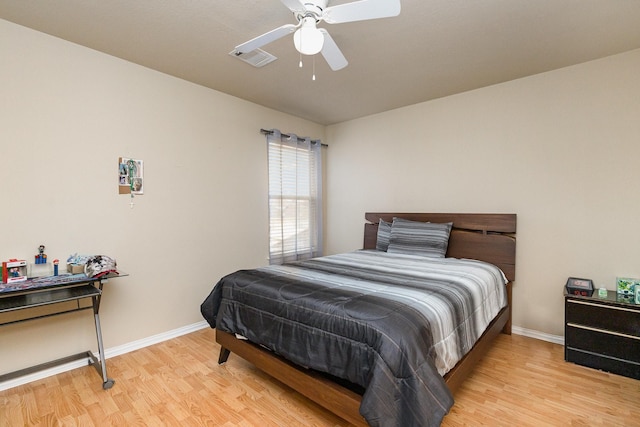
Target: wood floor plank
[(520, 382)]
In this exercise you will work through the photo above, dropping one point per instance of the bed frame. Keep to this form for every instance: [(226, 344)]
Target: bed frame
[(486, 237)]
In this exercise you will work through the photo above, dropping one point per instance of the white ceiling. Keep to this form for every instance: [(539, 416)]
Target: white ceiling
[(434, 48)]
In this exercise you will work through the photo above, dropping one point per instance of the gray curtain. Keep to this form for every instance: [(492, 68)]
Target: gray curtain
[(295, 197)]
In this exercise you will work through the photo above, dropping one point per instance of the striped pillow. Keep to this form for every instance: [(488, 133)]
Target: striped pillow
[(384, 231), (419, 238)]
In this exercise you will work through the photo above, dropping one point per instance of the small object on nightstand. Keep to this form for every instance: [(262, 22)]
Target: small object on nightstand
[(625, 285), (602, 292), (626, 298), (583, 287)]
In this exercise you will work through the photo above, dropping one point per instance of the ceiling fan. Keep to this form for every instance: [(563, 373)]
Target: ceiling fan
[(309, 39)]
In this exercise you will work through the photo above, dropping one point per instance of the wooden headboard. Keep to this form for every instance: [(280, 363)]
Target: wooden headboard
[(485, 237)]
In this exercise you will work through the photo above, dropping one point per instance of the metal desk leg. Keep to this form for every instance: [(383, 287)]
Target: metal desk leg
[(107, 383)]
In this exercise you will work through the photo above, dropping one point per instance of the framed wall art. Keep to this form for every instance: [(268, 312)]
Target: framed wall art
[(130, 176)]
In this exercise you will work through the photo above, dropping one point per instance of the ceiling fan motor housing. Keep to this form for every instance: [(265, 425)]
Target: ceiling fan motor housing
[(314, 9)]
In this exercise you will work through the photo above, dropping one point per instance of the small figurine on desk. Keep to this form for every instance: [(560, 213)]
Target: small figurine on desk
[(41, 258), (55, 267)]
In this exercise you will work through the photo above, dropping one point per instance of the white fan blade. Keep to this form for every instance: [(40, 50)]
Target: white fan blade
[(332, 53), (266, 38), (361, 10), (296, 6)]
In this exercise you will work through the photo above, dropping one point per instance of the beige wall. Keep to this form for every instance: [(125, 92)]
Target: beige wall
[(560, 149), (66, 114)]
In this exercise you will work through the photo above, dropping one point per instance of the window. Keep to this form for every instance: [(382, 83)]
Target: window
[(295, 198)]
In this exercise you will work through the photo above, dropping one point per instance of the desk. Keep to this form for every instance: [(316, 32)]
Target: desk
[(46, 291)]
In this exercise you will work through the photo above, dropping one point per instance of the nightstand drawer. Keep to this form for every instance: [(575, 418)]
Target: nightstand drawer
[(602, 342), (617, 319), (596, 361)]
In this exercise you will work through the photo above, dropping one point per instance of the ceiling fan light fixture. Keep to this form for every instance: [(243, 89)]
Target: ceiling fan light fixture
[(308, 39)]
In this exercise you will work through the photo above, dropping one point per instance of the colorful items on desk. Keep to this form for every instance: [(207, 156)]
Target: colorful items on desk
[(40, 282), (96, 266), (14, 270), (41, 258)]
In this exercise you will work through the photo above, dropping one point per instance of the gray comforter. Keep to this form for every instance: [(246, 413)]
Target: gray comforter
[(391, 323)]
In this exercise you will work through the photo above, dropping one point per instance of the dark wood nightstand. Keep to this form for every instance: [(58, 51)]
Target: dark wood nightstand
[(603, 333)]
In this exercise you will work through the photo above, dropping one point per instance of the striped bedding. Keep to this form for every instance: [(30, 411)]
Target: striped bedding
[(391, 323)]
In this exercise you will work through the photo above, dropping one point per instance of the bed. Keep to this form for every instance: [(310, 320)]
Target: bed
[(346, 330)]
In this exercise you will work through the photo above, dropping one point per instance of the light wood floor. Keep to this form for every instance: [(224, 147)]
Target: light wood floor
[(521, 382)]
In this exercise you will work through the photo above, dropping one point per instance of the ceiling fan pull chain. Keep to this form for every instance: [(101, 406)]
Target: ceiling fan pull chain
[(300, 51), (314, 69)]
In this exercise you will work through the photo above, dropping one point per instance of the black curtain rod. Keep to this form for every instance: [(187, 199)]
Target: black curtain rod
[(269, 132)]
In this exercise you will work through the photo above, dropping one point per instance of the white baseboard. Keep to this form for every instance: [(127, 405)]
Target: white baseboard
[(110, 352), (556, 339), (155, 339)]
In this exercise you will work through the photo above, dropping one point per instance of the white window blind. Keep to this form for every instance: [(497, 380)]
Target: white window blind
[(295, 198)]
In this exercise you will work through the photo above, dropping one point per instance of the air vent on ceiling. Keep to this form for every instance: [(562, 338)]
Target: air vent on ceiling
[(257, 57)]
